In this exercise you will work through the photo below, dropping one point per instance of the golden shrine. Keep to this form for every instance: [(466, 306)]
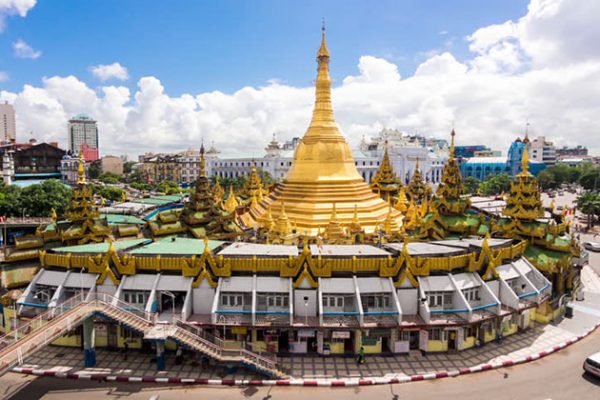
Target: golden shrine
[(322, 174)]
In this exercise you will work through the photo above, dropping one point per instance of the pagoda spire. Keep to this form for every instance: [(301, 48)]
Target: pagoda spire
[(322, 124), (81, 170), (202, 160), (525, 161), (452, 134)]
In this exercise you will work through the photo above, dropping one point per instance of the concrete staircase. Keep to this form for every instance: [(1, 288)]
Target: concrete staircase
[(33, 335)]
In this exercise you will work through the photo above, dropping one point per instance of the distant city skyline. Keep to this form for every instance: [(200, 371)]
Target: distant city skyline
[(234, 74)]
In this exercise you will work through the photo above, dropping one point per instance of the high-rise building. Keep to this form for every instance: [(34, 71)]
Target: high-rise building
[(543, 151), (83, 131), (7, 122)]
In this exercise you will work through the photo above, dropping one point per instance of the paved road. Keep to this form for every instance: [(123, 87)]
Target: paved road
[(556, 377)]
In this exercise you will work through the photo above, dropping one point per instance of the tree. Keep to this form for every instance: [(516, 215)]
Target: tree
[(590, 180), (109, 177), (39, 200), (495, 184), (471, 184), (109, 193), (128, 167), (589, 204), (168, 187), (547, 179), (94, 171)]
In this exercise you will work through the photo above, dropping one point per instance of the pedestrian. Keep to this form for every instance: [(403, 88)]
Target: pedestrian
[(125, 349), (178, 356), (361, 356)]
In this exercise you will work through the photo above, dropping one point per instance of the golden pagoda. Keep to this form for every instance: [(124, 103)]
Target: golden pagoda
[(85, 223), (401, 202), (231, 203), (217, 191), (524, 201), (385, 182), (450, 190), (253, 186), (323, 173), (416, 189), (203, 216), (334, 231)]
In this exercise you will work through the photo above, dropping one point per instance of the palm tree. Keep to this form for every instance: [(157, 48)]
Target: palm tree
[(589, 204)]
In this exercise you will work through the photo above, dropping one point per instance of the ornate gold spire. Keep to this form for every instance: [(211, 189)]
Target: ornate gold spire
[(218, 191), (231, 203), (81, 170), (390, 225), (202, 160), (253, 185), (416, 187), (452, 134), (402, 202), (283, 227), (385, 180), (334, 230), (524, 200), (525, 161)]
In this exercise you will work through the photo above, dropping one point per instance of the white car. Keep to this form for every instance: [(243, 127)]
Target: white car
[(592, 246), (591, 364)]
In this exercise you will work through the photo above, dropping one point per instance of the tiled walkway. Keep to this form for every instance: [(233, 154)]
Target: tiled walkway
[(587, 314)]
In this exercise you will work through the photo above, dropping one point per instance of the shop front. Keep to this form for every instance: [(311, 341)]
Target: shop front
[(335, 342)]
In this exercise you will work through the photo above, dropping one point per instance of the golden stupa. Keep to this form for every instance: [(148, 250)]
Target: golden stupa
[(322, 174)]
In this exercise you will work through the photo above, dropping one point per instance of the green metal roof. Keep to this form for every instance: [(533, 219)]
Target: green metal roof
[(101, 247), (152, 201), (177, 245), (113, 219)]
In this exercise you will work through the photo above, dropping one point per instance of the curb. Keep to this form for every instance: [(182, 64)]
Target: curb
[(308, 382)]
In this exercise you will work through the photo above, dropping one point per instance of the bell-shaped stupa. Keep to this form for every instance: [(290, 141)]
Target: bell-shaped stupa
[(322, 174)]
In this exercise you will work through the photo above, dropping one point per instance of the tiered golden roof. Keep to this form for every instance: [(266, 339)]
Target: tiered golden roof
[(323, 173), (83, 215), (205, 217), (524, 200), (450, 190), (217, 191), (231, 203), (254, 186), (417, 189), (402, 201), (385, 182), (334, 231)]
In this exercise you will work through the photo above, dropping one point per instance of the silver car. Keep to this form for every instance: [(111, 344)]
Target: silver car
[(591, 365), (592, 246)]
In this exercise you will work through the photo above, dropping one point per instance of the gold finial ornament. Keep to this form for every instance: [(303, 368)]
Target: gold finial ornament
[(202, 160), (81, 170)]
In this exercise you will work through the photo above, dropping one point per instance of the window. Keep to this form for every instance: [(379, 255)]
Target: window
[(232, 300), (439, 299), (471, 294), (437, 334)]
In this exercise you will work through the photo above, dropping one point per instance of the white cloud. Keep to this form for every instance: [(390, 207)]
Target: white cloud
[(9, 8), (23, 50), (3, 76), (488, 97), (110, 71)]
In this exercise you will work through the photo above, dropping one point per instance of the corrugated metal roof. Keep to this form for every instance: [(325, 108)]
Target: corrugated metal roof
[(101, 247), (77, 280), (174, 282), (507, 271), (253, 249), (436, 284), (237, 284), (272, 284), (422, 249), (176, 245), (139, 282), (348, 250), (51, 278), (522, 266), (374, 285), (466, 280), (337, 285)]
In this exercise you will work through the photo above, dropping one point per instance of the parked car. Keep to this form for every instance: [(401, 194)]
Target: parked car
[(582, 260), (591, 365), (591, 246)]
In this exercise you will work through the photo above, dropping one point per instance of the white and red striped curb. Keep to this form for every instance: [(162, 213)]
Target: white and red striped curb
[(306, 382)]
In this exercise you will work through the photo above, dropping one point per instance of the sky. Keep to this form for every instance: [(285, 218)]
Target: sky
[(162, 76)]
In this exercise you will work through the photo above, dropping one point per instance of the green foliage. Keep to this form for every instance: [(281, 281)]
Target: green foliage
[(140, 186), (589, 204), (471, 184), (547, 179), (128, 166), (136, 177), (94, 171), (559, 174), (590, 179), (495, 184), (109, 177), (265, 178), (35, 200), (168, 187), (109, 193)]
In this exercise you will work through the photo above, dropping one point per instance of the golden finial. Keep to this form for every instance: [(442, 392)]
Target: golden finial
[(123, 196), (53, 214), (417, 165), (81, 170), (102, 201), (323, 51), (525, 161), (202, 160), (206, 246), (452, 134)]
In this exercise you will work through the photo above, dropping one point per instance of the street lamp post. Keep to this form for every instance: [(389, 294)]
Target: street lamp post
[(81, 271)]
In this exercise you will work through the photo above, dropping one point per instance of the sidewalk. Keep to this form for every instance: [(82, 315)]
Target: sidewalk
[(514, 349)]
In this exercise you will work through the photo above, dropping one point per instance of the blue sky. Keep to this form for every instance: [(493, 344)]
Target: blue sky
[(199, 46)]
